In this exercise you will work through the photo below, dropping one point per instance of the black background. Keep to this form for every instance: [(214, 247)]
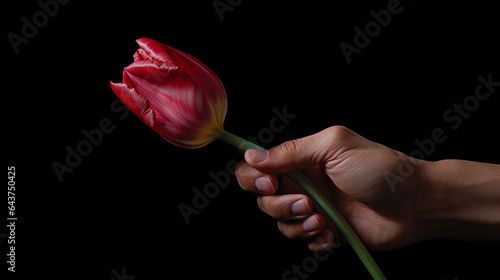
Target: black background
[(119, 207)]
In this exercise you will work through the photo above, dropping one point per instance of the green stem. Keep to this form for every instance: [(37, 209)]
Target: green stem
[(313, 190)]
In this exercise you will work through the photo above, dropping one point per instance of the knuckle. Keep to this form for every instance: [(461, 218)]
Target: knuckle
[(260, 203), (289, 230), (285, 230), (271, 205), (339, 132), (243, 176), (242, 183), (290, 146), (237, 170), (243, 186), (281, 228), (274, 208), (339, 138)]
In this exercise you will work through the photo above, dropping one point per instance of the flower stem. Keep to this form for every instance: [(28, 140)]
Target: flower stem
[(313, 190)]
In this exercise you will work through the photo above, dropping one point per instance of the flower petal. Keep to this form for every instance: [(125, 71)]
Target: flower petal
[(174, 93), (177, 134), (213, 88), (138, 104), (171, 93), (152, 50), (202, 75)]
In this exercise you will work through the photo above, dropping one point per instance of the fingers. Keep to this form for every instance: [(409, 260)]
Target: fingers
[(252, 180), (322, 241), (296, 219), (293, 210), (302, 229), (286, 207), (277, 206), (303, 152)]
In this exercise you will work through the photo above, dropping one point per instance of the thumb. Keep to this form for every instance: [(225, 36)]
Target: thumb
[(300, 153)]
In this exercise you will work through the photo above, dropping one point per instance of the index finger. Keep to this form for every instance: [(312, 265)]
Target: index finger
[(252, 180)]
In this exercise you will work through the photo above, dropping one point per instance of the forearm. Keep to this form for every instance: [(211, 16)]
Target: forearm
[(458, 200)]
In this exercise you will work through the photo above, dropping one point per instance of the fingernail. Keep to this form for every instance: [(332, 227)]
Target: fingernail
[(258, 155), (263, 184), (311, 224), (301, 207)]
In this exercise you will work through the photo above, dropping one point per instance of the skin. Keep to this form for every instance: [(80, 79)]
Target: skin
[(389, 199)]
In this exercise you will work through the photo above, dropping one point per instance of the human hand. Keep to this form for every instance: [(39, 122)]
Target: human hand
[(351, 172)]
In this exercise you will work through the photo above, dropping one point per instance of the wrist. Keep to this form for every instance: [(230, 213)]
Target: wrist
[(458, 200), (431, 212)]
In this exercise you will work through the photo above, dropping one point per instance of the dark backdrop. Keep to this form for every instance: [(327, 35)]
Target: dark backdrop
[(116, 215)]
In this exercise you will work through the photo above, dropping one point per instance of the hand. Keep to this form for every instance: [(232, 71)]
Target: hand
[(351, 172)]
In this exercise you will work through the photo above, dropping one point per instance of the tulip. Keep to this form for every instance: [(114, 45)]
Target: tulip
[(174, 94), (183, 101)]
